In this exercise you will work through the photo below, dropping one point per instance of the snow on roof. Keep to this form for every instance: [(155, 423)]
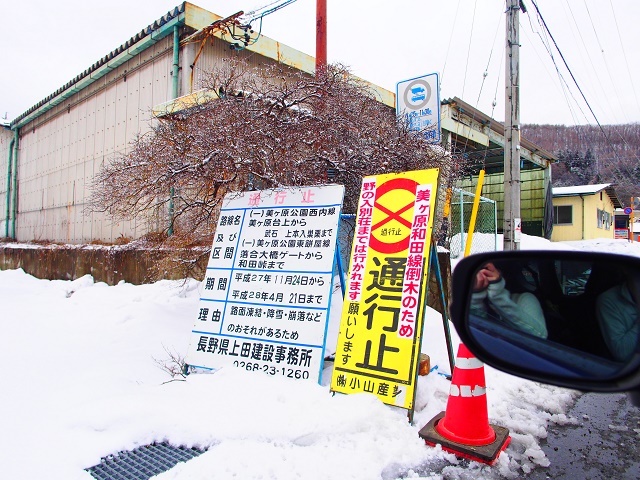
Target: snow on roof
[(589, 190), (579, 189)]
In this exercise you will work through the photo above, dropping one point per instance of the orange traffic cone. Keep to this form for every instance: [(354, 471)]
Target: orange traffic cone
[(464, 429)]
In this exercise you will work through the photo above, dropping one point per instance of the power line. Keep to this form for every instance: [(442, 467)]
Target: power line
[(255, 14), (252, 16), (563, 83), (606, 64), (473, 21), (495, 95), (544, 65), (486, 70), (624, 53), (446, 57), (596, 72), (621, 163), (569, 70)]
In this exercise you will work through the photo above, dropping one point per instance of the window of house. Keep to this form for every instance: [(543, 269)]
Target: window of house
[(604, 219), (600, 218), (563, 215)]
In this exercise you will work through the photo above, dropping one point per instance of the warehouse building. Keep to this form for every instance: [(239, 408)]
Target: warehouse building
[(50, 154)]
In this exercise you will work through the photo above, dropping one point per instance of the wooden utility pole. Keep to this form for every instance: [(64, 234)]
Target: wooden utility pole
[(512, 225)]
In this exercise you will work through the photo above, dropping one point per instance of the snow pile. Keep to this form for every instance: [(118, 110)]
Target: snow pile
[(85, 376)]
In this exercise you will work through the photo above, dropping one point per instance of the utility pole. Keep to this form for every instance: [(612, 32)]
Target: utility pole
[(321, 35), (512, 225)]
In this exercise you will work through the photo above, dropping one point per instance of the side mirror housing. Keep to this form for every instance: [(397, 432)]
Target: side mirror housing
[(567, 318)]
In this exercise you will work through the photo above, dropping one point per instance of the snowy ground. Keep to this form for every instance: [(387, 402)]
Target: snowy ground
[(81, 380)]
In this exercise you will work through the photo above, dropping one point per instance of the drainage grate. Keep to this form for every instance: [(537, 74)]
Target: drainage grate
[(142, 463)]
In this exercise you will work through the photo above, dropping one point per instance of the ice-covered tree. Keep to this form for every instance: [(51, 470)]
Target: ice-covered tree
[(267, 127)]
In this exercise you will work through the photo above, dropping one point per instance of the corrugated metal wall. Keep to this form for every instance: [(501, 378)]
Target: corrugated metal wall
[(532, 196), (61, 150), (213, 53)]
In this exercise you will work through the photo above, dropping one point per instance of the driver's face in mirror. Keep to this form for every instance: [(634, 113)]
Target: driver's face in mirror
[(492, 300), (585, 314)]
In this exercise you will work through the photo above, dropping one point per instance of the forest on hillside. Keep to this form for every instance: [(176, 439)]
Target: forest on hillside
[(590, 155)]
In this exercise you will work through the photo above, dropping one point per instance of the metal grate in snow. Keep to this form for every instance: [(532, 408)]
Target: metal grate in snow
[(142, 463)]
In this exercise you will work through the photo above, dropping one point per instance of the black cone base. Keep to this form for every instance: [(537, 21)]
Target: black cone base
[(480, 453)]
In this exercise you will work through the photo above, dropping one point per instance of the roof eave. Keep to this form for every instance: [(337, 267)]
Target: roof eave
[(498, 127)]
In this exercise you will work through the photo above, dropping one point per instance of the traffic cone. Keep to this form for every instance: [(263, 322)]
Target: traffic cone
[(464, 428)]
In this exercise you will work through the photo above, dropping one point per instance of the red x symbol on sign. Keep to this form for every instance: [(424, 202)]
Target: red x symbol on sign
[(396, 184)]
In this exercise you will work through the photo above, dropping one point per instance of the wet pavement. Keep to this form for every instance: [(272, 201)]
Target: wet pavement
[(604, 444)]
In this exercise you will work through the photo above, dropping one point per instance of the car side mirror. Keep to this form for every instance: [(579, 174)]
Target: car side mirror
[(565, 318)]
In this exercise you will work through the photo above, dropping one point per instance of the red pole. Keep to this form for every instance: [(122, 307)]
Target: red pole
[(321, 35)]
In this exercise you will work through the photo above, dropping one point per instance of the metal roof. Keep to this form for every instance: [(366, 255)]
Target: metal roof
[(496, 126), (577, 190), (129, 49)]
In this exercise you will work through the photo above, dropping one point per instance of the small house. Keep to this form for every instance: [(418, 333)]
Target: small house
[(584, 212)]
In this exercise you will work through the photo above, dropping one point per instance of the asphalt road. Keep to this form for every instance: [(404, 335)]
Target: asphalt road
[(604, 444)]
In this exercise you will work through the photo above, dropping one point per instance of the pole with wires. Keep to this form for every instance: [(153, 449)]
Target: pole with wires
[(512, 226)]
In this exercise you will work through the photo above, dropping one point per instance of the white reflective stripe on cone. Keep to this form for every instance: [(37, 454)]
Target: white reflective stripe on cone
[(466, 391), (468, 363)]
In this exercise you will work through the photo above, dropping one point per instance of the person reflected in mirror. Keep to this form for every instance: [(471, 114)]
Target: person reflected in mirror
[(617, 314), (518, 310)]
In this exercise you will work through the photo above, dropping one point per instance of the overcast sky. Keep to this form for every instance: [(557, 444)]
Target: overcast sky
[(47, 43)]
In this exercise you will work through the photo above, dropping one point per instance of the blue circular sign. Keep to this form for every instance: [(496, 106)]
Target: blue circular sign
[(627, 211)]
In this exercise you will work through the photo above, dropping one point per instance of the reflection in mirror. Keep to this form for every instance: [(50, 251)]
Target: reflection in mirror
[(563, 316)]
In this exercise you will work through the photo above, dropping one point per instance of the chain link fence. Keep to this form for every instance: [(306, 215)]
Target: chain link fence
[(485, 235)]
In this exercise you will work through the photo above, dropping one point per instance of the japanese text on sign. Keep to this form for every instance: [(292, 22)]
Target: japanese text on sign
[(380, 331), (266, 294)]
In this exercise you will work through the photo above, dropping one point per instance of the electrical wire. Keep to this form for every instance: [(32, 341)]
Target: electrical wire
[(446, 57), (606, 64), (254, 15), (558, 78), (466, 67), (621, 165), (595, 72), (570, 72), (253, 12), (486, 70), (624, 53), (495, 94), (566, 91), (251, 17)]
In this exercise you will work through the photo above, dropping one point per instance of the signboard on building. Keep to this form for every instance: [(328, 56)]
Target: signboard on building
[(621, 234), (380, 331), (267, 291), (418, 101)]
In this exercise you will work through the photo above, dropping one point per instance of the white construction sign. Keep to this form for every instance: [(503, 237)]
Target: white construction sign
[(266, 296)]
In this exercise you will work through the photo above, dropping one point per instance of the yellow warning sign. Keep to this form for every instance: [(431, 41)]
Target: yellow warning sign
[(379, 341)]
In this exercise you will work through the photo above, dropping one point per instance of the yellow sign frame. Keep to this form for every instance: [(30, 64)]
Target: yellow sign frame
[(380, 331)]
